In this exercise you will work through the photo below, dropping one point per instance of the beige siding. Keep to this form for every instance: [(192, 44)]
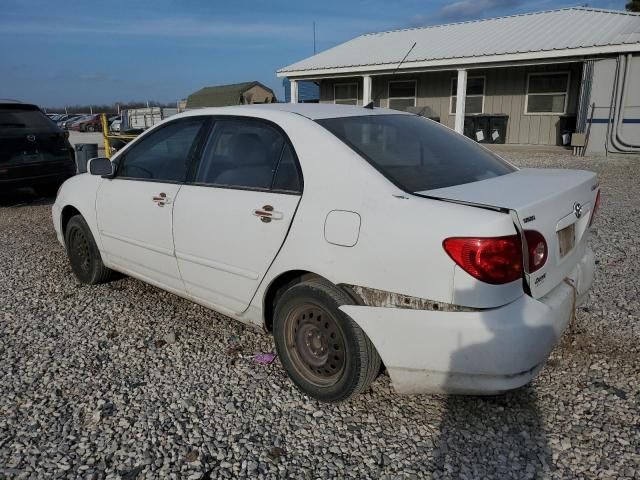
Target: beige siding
[(505, 92)]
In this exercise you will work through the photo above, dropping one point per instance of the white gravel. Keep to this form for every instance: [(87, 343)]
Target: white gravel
[(126, 381)]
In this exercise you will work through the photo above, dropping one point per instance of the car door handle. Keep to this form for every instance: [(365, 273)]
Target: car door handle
[(267, 213), (162, 199)]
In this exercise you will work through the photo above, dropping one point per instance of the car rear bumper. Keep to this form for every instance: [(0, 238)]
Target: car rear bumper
[(480, 352), (18, 176)]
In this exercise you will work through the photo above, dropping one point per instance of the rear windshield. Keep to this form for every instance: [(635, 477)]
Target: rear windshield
[(415, 153), (22, 120)]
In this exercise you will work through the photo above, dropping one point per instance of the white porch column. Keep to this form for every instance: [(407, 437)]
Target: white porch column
[(294, 91), (461, 96), (366, 90)]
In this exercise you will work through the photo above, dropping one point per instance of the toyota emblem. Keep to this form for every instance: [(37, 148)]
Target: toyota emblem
[(577, 209), (31, 138)]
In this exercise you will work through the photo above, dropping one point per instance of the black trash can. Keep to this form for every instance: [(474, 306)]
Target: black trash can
[(565, 128), (481, 128), (498, 128), (84, 153), (469, 127)]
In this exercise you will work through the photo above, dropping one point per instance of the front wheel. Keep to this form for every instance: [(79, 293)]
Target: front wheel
[(324, 352), (83, 253)]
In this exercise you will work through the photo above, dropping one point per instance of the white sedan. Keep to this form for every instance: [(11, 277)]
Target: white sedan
[(358, 237)]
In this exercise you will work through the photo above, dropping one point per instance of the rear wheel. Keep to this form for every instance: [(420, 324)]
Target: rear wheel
[(325, 353), (83, 253), (91, 128)]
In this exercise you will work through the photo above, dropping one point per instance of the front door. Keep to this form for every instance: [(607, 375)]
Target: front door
[(135, 209), (230, 223)]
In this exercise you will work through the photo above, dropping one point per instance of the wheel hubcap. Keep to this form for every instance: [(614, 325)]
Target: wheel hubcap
[(79, 250), (315, 344)]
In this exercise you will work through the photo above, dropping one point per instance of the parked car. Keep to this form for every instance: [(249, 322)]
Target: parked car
[(67, 122), (34, 152), (115, 125), (356, 236), (89, 123)]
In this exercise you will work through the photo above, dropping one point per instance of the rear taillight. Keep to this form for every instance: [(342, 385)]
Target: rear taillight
[(537, 247), (495, 260), (596, 207)]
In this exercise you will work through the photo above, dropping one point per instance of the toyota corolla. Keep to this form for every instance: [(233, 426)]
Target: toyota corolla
[(360, 238)]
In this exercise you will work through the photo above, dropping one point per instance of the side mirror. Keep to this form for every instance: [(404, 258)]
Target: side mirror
[(100, 166)]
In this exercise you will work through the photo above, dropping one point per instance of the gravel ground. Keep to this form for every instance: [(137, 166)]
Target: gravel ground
[(126, 381)]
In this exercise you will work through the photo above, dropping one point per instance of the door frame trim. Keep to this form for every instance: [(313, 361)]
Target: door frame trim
[(131, 241), (241, 272)]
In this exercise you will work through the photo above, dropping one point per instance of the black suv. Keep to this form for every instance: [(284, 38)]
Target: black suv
[(34, 151)]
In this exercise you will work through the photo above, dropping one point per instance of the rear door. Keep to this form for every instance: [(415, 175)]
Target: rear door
[(135, 209), (231, 221)]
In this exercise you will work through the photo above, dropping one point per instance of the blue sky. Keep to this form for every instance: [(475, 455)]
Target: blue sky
[(57, 52)]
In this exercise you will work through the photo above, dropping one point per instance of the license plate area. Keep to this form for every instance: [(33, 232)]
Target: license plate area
[(567, 239)]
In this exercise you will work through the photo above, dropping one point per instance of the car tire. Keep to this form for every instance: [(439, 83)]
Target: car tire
[(82, 251), (91, 128), (324, 352)]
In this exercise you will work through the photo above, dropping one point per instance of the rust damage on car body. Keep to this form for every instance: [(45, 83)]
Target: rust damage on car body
[(372, 297)]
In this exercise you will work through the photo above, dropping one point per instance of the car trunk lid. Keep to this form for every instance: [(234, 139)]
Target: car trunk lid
[(557, 203)]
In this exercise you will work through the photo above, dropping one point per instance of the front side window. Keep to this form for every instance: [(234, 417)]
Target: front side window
[(415, 153), (244, 153), (164, 155), (547, 93), (345, 93), (474, 102), (402, 94)]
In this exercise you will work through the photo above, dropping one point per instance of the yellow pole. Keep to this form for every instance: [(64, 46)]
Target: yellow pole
[(105, 135)]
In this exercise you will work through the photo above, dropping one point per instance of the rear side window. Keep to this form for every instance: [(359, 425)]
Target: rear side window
[(19, 120), (165, 154), (241, 153), (287, 177), (415, 153)]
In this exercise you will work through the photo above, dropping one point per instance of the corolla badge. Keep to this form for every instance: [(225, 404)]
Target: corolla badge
[(31, 138), (577, 209)]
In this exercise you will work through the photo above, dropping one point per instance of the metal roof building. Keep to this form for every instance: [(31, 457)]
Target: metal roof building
[(512, 56)]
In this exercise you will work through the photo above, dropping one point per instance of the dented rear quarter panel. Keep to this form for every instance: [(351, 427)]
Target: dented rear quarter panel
[(399, 248)]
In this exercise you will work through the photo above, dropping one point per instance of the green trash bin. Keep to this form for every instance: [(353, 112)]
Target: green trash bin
[(498, 128), (481, 128), (469, 127)]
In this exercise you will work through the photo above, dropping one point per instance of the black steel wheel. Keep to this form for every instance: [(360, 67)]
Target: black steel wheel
[(326, 354), (316, 343), (83, 253)]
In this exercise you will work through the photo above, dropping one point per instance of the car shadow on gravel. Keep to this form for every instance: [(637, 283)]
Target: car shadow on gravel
[(495, 436), (22, 197)]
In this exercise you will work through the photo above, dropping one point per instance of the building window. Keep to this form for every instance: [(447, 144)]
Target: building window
[(547, 93), (474, 102), (345, 93), (402, 94)]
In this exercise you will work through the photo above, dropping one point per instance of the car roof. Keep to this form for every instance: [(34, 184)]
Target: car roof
[(313, 111)]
